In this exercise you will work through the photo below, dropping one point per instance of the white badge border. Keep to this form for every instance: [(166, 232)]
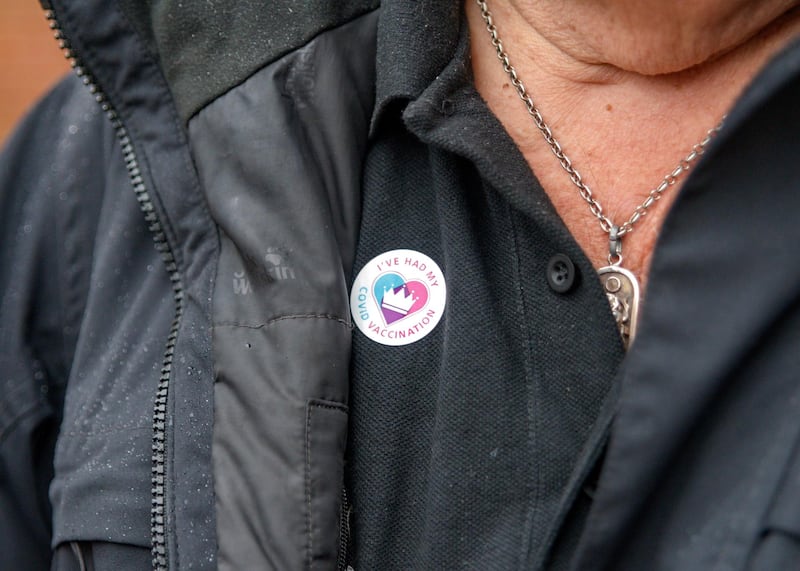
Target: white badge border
[(366, 313)]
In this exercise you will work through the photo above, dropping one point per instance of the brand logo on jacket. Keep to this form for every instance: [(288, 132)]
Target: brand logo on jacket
[(398, 297), (276, 267)]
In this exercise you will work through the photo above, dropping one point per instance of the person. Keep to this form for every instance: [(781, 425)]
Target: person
[(426, 285)]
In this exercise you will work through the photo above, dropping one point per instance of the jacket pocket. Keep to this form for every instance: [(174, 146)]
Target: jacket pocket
[(326, 438), (778, 546)]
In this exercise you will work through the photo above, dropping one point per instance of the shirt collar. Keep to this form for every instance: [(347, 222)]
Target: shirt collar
[(416, 40)]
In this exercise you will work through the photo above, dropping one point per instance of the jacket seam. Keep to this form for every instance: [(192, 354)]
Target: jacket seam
[(275, 320)]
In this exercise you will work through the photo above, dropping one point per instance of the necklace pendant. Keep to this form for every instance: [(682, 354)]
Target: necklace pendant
[(622, 291)]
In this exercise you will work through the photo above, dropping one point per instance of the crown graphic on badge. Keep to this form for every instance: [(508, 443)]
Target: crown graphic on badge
[(397, 297), (399, 300)]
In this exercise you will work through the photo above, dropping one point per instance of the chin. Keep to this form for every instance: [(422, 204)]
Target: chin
[(653, 61)]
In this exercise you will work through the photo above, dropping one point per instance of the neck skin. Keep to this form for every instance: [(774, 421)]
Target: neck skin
[(628, 87)]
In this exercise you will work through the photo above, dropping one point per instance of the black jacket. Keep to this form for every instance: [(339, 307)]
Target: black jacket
[(179, 241)]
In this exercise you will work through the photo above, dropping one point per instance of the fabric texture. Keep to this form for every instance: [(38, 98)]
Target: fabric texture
[(463, 444), (516, 435)]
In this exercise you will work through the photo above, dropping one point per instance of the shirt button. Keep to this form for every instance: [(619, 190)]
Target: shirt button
[(561, 273)]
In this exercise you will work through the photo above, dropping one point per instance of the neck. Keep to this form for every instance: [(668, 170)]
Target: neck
[(628, 87), (614, 39)]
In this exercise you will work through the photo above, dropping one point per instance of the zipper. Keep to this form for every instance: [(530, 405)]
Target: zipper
[(344, 533), (158, 510)]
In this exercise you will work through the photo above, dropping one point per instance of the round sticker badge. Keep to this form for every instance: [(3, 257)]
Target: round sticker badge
[(398, 297)]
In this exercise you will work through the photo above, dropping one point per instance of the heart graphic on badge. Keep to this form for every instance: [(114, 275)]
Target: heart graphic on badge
[(398, 298), (407, 289)]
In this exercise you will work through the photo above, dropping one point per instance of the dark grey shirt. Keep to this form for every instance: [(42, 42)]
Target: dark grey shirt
[(466, 446), (474, 447)]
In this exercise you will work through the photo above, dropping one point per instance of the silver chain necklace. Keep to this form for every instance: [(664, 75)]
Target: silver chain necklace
[(620, 285)]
